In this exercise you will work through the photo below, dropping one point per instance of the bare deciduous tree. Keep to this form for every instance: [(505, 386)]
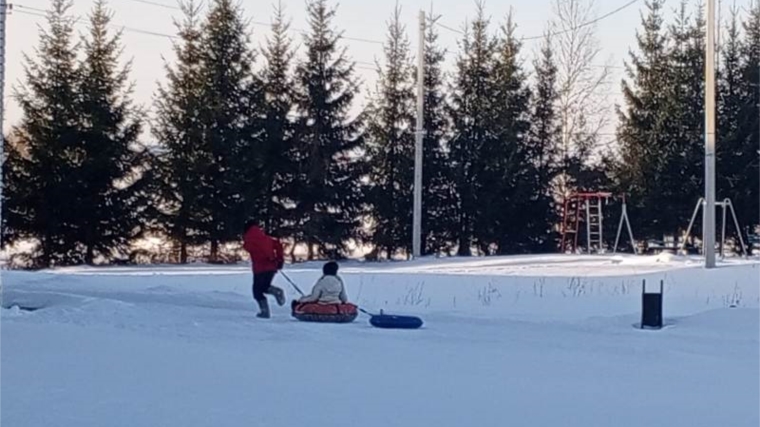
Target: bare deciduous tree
[(583, 85)]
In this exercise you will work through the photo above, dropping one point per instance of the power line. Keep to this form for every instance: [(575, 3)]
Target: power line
[(590, 65), (362, 40), (32, 11), (30, 8), (157, 4), (259, 23), (362, 65), (446, 27), (43, 13), (585, 24)]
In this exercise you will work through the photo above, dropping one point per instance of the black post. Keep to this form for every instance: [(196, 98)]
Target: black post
[(651, 307)]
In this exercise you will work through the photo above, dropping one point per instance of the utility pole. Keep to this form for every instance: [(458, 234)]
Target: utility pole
[(718, 30), (708, 228), (417, 220), (3, 14)]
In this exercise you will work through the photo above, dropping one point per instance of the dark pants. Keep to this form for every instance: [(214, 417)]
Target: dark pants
[(261, 284)]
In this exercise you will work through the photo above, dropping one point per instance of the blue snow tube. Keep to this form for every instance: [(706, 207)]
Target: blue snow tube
[(387, 321)]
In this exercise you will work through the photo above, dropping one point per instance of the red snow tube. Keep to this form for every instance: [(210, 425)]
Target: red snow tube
[(327, 313)]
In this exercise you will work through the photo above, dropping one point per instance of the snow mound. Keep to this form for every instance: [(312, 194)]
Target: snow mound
[(13, 311), (667, 258)]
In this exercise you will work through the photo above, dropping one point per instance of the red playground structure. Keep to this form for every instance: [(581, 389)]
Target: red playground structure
[(587, 209), (583, 208)]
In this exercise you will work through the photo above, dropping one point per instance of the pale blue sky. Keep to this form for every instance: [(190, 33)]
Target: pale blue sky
[(364, 19)]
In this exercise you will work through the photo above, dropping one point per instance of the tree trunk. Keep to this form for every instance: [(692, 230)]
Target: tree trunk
[(183, 252), (464, 238), (214, 257), (464, 245), (46, 256), (90, 255)]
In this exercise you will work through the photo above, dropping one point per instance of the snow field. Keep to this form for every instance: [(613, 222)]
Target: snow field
[(520, 341)]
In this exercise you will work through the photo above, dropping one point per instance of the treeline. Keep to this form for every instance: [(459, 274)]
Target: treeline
[(274, 134), (662, 124)]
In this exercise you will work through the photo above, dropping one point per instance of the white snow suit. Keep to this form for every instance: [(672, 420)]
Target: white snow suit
[(327, 290)]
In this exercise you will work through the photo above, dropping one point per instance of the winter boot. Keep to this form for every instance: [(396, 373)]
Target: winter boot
[(278, 293), (264, 309), (293, 305)]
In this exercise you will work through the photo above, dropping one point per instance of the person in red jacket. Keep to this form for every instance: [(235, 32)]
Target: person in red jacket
[(267, 258)]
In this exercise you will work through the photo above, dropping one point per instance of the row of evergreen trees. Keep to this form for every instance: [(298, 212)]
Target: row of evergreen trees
[(75, 178), (269, 134), (661, 127)]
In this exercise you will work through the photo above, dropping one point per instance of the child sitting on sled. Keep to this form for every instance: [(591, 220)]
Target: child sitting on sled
[(329, 288)]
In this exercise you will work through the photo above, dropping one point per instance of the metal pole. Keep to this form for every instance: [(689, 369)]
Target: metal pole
[(736, 224), (624, 219), (723, 230), (588, 226), (718, 28), (619, 230), (3, 15), (630, 233), (700, 202), (417, 220), (708, 229), (601, 226)]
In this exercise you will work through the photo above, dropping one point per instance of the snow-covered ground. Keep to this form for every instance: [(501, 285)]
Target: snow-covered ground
[(518, 341)]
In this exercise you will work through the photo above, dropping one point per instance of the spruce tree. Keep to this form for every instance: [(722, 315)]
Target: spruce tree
[(506, 180), (390, 146), (643, 147), (473, 120), (110, 200), (277, 167), (328, 201), (682, 158), (437, 197), (47, 147), (733, 93), (231, 115), (13, 165), (746, 196), (181, 134), (545, 140)]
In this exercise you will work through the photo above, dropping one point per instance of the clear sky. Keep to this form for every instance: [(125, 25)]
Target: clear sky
[(364, 19)]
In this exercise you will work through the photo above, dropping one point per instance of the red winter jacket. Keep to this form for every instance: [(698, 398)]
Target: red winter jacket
[(266, 252)]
